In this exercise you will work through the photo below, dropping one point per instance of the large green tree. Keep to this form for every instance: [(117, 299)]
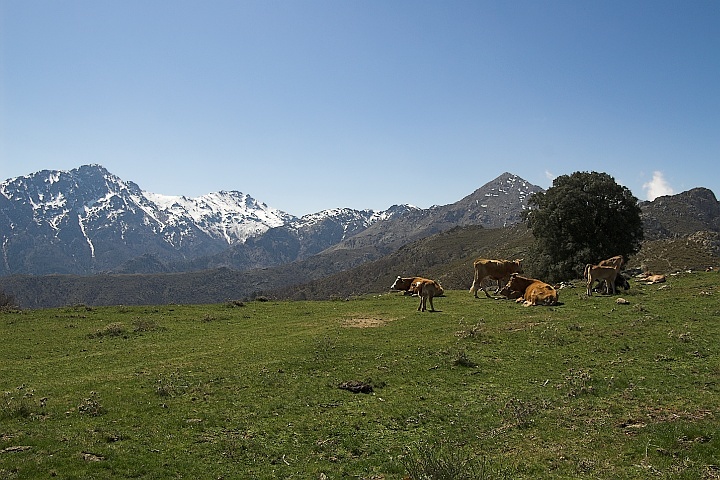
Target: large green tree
[(583, 218)]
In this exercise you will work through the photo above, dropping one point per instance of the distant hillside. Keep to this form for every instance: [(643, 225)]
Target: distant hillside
[(683, 229), (499, 203), (446, 257), (682, 214), (343, 272), (681, 232)]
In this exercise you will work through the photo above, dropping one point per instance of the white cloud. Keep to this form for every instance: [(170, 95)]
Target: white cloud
[(657, 187)]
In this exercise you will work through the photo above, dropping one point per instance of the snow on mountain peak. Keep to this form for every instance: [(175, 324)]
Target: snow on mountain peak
[(232, 216)]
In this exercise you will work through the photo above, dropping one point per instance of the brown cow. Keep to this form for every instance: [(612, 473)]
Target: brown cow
[(597, 272), (516, 286), (530, 291), (494, 269), (426, 290), (405, 284), (650, 279), (540, 293), (617, 263)]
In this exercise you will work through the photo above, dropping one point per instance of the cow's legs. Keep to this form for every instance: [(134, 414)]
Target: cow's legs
[(482, 285), (473, 289)]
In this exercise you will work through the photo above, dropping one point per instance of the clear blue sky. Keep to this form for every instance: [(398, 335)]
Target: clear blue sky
[(308, 105)]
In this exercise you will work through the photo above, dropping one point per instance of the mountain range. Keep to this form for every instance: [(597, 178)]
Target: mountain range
[(116, 244), (89, 221)]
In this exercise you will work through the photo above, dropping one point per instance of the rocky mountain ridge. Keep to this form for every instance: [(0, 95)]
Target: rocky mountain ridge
[(88, 221)]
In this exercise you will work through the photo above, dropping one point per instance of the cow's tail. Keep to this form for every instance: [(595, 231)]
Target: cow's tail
[(586, 272)]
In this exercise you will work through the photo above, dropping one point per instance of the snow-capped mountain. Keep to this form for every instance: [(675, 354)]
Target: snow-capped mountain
[(232, 216), (88, 220)]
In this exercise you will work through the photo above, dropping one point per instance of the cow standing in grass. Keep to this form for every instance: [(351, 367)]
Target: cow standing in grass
[(601, 273), (617, 263), (499, 270), (426, 290)]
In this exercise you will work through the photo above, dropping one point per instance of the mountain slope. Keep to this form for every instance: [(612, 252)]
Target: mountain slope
[(361, 236), (500, 202), (298, 239), (682, 214), (88, 220)]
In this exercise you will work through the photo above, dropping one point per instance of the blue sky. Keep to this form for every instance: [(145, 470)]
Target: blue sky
[(308, 105)]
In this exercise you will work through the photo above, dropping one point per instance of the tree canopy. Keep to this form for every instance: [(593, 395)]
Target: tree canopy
[(583, 218)]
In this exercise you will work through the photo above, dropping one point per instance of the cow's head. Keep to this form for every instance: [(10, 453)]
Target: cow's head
[(514, 288), (518, 265), (401, 283)]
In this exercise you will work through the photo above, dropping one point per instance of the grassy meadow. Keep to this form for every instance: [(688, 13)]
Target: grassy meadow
[(479, 389)]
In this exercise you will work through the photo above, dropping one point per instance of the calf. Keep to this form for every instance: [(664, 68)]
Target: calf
[(617, 263), (598, 272), (426, 290), (621, 282), (650, 279)]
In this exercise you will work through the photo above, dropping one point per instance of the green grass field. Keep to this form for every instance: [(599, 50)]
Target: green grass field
[(480, 389)]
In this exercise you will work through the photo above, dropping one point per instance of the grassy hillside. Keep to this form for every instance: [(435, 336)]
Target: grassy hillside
[(447, 257), (587, 389)]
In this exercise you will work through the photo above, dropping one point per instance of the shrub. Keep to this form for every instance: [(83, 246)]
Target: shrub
[(91, 406), (114, 329), (447, 462), (462, 360), (20, 403), (520, 412), (143, 325), (7, 301)]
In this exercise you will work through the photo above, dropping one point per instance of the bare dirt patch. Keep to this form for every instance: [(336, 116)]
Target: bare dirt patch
[(365, 322)]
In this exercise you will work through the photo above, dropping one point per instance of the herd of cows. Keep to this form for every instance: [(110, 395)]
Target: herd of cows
[(511, 285)]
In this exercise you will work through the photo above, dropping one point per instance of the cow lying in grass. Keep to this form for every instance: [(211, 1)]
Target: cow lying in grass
[(405, 284), (529, 291), (650, 279)]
